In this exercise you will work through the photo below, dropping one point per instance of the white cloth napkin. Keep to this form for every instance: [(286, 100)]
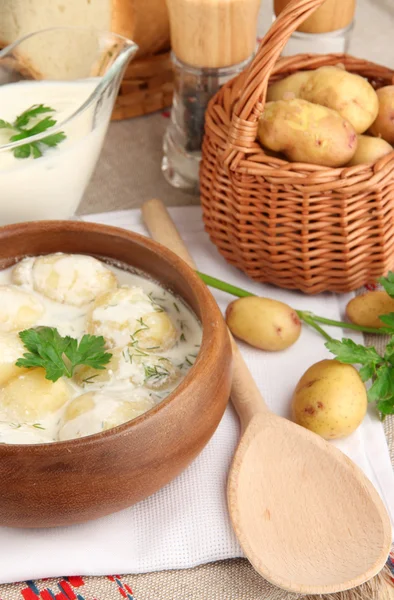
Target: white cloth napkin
[(186, 523)]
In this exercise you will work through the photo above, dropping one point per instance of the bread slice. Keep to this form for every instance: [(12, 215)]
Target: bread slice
[(143, 21)]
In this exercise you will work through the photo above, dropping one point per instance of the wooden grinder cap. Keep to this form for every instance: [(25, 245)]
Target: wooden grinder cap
[(213, 33), (330, 16)]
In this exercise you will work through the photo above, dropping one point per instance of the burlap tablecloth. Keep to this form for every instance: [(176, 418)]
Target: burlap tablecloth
[(129, 173)]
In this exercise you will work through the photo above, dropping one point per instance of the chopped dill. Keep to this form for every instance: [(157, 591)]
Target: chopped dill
[(89, 379), (182, 338), (154, 298), (155, 373), (38, 426), (176, 307), (143, 327), (187, 359)]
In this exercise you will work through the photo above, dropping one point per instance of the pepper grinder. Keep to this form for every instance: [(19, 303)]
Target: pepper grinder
[(212, 42), (326, 31)]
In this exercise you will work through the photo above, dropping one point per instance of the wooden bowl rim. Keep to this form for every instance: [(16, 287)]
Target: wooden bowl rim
[(205, 300)]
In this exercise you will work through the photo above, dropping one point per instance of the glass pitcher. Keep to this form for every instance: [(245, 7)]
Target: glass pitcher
[(57, 91)]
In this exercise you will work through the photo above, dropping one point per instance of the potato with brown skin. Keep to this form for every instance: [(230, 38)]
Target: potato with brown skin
[(307, 132), (352, 96), (383, 126), (263, 323), (366, 309), (330, 399), (287, 88), (369, 150)]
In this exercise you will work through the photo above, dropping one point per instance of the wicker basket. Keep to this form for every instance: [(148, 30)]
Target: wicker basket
[(147, 87), (298, 226)]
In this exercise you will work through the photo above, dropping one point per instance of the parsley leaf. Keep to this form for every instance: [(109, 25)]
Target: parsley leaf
[(389, 321), (385, 407), (60, 355), (35, 110), (383, 386), (89, 351), (54, 139), (349, 352), (367, 372), (5, 125), (388, 283), (378, 369), (21, 132)]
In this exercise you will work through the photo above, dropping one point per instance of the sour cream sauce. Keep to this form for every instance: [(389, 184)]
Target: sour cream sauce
[(49, 187), (118, 393)]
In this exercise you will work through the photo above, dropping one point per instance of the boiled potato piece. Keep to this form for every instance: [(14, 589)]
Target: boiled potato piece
[(263, 323), (383, 126), (366, 309), (11, 348), (352, 96), (306, 132), (30, 397), (128, 314), (95, 412), (22, 273), (160, 373), (289, 87), (330, 399), (130, 365), (19, 309), (159, 334), (369, 150), (86, 376), (70, 279)]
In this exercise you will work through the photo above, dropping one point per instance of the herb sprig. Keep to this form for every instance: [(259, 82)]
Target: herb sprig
[(60, 355), (376, 369), (21, 132)]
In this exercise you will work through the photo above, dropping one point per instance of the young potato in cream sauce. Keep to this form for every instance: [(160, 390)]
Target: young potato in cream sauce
[(153, 337)]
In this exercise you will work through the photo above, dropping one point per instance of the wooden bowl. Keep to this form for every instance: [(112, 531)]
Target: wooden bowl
[(70, 482)]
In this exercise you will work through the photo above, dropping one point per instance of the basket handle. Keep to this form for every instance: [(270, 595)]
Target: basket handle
[(243, 129)]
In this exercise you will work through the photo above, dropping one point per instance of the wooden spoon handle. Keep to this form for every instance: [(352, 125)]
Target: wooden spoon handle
[(162, 229), (245, 394)]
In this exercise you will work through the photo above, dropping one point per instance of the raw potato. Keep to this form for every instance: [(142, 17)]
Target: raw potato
[(95, 412), (383, 126), (352, 96), (306, 132), (70, 279), (289, 87), (366, 309), (30, 397), (129, 312), (11, 348), (263, 323), (19, 310), (330, 399), (369, 150)]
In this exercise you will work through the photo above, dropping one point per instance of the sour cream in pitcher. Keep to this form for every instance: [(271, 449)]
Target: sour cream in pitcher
[(51, 186)]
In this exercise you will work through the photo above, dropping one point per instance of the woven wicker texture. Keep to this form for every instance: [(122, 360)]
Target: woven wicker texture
[(147, 86), (298, 226)]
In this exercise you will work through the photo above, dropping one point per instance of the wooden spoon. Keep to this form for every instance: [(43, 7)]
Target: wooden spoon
[(305, 515)]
